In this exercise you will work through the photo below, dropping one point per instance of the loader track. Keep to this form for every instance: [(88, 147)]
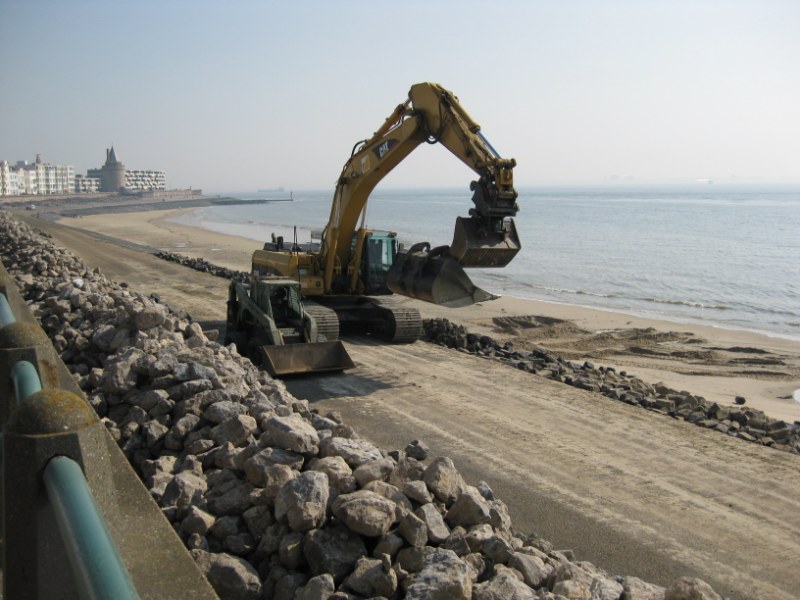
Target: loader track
[(326, 318)]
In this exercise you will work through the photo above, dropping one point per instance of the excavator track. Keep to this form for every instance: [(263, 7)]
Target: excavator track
[(402, 325), (326, 318)]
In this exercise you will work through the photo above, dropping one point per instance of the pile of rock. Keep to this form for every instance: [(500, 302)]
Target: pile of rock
[(202, 265), (273, 499), (745, 423)]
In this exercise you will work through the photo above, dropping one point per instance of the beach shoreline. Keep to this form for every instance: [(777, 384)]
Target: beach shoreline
[(707, 360)]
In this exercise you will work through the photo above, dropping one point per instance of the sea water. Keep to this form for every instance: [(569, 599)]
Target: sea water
[(716, 255)]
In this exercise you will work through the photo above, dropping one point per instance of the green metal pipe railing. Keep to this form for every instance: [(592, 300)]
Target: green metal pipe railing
[(25, 379), (98, 569), (6, 314), (96, 564)]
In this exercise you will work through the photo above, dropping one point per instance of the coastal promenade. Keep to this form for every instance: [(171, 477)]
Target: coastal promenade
[(79, 205)]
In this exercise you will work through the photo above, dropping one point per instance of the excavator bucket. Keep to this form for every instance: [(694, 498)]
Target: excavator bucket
[(298, 359), (476, 246), (433, 276)]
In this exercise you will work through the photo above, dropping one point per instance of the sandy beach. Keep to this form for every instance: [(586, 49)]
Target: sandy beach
[(719, 364)]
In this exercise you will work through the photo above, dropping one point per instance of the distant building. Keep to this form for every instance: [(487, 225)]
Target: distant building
[(145, 180), (111, 174), (114, 177), (86, 185), (36, 178), (44, 178)]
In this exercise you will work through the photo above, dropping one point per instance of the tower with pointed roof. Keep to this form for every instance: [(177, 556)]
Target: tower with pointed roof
[(112, 173)]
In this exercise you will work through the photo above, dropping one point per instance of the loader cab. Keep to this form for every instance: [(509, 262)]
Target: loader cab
[(378, 251)]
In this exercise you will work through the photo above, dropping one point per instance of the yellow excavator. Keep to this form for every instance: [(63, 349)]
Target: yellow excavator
[(354, 270)]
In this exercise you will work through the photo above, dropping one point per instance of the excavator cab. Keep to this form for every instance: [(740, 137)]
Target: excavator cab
[(377, 258)]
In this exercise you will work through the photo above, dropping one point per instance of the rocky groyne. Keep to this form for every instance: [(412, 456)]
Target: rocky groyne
[(273, 498), (744, 423)]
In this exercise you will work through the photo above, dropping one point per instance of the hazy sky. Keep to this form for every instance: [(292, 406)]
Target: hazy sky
[(239, 95)]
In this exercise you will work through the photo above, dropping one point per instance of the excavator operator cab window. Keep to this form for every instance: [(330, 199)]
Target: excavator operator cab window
[(376, 260)]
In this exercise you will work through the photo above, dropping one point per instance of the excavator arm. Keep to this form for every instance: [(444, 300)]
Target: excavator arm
[(434, 115)]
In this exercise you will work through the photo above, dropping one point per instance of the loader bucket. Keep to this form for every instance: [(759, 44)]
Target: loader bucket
[(475, 245), (433, 276), (298, 359)]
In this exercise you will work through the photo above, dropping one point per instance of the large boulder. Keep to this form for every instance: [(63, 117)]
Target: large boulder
[(232, 578), (371, 578), (443, 576), (365, 512), (443, 480), (333, 550), (302, 501), (292, 433)]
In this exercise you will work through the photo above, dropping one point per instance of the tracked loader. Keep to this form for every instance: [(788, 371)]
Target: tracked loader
[(271, 325)]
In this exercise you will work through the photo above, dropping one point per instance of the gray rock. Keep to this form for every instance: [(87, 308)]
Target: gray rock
[(533, 569), (690, 588), (371, 578), (232, 577), (443, 480), (222, 411), (417, 450), (197, 521), (184, 490), (340, 475), (503, 586), (636, 589), (119, 376), (417, 491), (389, 544), (148, 318), (181, 428), (320, 587), (375, 470), (291, 433), (154, 432), (146, 399), (413, 529), (257, 519), (390, 492), (235, 430), (240, 544), (469, 509), (290, 550), (498, 549), (365, 512), (225, 526), (437, 529), (412, 559), (235, 501), (498, 515), (444, 576), (333, 550), (457, 542), (303, 501), (576, 578), (355, 452)]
